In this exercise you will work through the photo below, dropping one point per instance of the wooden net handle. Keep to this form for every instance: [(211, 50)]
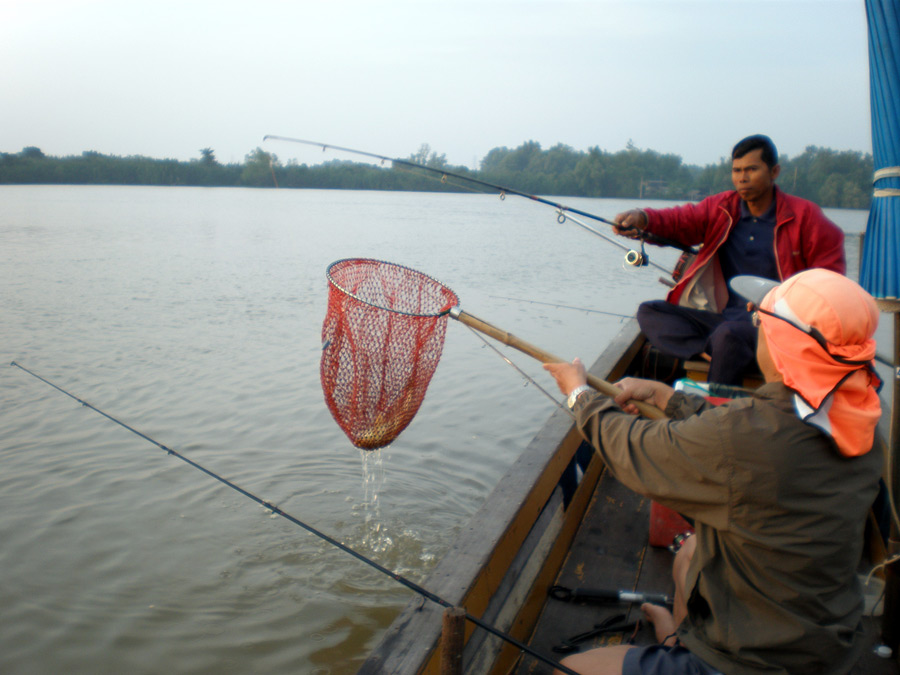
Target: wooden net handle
[(647, 410)]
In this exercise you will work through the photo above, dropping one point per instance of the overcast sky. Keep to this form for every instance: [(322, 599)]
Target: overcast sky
[(165, 79)]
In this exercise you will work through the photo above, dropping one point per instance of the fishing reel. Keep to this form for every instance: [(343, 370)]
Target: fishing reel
[(637, 259)]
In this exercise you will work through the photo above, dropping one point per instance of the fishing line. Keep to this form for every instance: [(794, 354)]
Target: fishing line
[(526, 376), (309, 528), (553, 304), (503, 191)]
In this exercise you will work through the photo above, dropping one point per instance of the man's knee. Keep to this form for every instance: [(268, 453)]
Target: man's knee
[(607, 660), (733, 338), (650, 309)]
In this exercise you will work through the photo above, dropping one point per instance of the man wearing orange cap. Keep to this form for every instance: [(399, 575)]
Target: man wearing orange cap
[(778, 485)]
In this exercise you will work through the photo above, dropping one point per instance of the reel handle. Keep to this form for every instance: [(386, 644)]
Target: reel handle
[(647, 410)]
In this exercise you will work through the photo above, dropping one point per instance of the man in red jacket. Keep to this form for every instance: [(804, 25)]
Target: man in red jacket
[(755, 229)]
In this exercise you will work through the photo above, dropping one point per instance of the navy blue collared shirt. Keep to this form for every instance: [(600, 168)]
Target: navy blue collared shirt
[(750, 249)]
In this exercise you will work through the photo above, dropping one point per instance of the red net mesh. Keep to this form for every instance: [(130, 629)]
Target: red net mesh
[(382, 340)]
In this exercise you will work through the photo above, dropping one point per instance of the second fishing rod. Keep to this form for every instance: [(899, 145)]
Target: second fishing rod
[(562, 209)]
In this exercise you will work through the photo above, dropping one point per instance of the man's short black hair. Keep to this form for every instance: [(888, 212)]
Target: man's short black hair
[(755, 142)]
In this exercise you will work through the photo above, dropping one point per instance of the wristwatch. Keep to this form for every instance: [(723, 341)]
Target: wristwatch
[(575, 393), (678, 541)]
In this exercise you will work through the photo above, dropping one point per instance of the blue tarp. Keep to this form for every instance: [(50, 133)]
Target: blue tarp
[(879, 271)]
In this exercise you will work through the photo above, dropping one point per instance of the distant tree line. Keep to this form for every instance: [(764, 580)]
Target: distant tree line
[(830, 178)]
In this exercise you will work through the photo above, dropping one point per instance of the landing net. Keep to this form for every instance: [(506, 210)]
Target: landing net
[(382, 340)]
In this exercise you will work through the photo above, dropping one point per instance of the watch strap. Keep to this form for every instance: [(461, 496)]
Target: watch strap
[(575, 393)]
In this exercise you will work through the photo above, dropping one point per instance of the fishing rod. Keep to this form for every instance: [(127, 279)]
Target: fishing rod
[(562, 209), (413, 586), (632, 257)]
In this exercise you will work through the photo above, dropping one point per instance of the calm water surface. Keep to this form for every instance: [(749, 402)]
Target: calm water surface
[(194, 316)]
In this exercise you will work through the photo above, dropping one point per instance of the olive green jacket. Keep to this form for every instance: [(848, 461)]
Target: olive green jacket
[(780, 516)]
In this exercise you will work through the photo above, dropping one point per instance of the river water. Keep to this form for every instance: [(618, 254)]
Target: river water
[(194, 316)]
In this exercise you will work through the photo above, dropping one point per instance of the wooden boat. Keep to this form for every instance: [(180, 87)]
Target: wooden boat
[(555, 519)]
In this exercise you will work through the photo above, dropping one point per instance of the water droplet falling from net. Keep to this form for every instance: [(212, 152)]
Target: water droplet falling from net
[(382, 340)]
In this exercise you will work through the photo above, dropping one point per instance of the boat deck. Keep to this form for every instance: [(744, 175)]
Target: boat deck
[(610, 551)]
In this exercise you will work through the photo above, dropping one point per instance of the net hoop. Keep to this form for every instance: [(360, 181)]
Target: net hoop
[(337, 265), (382, 339)]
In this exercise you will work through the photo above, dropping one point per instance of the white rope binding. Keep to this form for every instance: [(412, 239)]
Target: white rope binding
[(886, 172)]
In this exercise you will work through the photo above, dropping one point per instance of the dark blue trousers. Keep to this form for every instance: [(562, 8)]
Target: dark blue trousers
[(729, 339)]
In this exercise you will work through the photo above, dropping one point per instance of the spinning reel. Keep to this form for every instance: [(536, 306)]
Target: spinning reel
[(637, 258)]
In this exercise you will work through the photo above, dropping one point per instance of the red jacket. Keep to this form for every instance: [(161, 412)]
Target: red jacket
[(804, 238)]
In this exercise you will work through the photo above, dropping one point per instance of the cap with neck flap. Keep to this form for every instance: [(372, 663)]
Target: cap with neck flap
[(819, 326)]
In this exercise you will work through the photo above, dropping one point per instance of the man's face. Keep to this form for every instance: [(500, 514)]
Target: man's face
[(752, 177), (764, 359)]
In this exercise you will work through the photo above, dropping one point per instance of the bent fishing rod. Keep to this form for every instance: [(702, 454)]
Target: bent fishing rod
[(561, 209), (413, 586)]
